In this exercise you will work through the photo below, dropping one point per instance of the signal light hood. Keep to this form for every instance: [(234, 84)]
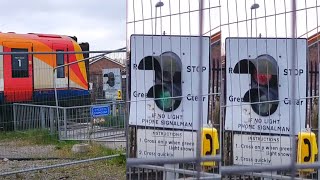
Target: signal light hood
[(169, 61), (263, 64), (165, 64)]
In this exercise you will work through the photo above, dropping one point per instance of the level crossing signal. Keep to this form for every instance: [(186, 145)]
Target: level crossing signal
[(264, 93), (164, 81), (111, 79), (167, 89)]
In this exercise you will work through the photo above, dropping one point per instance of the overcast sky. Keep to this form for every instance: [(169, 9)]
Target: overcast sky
[(102, 23)]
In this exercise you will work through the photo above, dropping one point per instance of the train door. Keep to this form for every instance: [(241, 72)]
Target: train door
[(18, 72), (62, 77)]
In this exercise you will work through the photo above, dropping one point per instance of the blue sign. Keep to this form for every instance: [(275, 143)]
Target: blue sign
[(97, 111)]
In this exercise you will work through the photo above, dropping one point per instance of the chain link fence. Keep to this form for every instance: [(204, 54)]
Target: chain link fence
[(54, 126), (252, 65), (210, 90)]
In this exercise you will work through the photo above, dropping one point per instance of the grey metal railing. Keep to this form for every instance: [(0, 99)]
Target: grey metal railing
[(31, 116), (74, 123)]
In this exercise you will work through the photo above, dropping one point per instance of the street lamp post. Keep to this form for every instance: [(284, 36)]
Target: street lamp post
[(254, 6), (168, 175), (158, 4)]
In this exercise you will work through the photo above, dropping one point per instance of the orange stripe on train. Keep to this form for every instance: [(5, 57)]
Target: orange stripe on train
[(41, 44)]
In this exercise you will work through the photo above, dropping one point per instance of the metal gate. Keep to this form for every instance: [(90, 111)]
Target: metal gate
[(74, 123), (78, 124)]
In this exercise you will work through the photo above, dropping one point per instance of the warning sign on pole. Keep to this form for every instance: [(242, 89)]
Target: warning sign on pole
[(258, 85)]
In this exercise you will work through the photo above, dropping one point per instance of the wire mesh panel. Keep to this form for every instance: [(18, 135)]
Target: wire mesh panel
[(244, 72), (30, 117), (78, 124), (267, 81), (170, 86), (53, 125)]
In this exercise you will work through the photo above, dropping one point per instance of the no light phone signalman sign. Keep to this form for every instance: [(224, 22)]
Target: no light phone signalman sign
[(258, 70), (167, 68)]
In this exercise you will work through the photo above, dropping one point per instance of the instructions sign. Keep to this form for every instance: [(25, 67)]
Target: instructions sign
[(97, 111), (261, 150), (258, 71), (168, 67), (165, 144)]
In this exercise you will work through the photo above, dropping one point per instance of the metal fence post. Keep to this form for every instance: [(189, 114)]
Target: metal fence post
[(318, 171), (14, 117), (170, 175), (114, 107), (42, 119), (65, 121), (52, 124)]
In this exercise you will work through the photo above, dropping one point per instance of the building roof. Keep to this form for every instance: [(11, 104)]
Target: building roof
[(314, 39), (94, 60), (216, 37)]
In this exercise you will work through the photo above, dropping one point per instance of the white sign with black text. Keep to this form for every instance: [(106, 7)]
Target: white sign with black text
[(165, 144), (167, 68), (261, 150), (111, 83), (259, 82)]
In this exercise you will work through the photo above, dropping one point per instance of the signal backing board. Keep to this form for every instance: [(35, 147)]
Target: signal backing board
[(259, 70), (168, 66)]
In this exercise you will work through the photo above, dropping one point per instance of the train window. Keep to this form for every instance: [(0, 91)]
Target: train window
[(60, 61), (20, 68)]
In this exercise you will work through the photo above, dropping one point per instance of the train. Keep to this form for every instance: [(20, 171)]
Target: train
[(29, 78)]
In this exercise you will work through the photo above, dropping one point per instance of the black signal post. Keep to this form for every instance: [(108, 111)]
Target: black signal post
[(111, 80)]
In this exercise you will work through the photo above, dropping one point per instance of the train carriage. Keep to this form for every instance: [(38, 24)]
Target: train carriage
[(30, 78)]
